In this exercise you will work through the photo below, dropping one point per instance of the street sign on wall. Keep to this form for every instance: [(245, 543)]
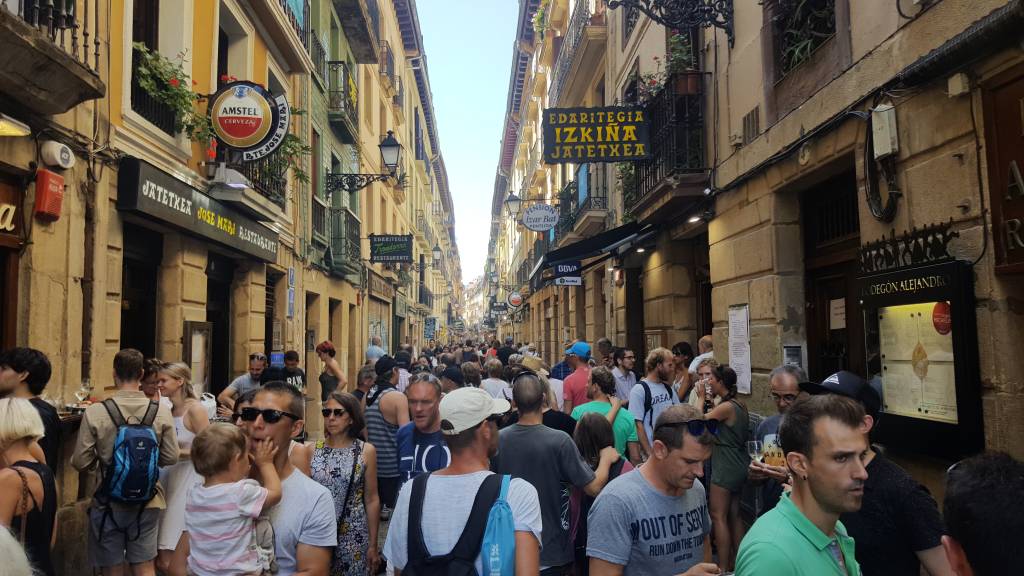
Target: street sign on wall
[(515, 299), (540, 217), (569, 281), (606, 134)]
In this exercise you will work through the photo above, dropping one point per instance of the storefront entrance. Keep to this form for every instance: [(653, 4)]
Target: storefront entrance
[(219, 273), (835, 323), (143, 253)]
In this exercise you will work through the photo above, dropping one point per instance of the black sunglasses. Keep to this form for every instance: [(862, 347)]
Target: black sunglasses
[(694, 427), (338, 412), (269, 416)]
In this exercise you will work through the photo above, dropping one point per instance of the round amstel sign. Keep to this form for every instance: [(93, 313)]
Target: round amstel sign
[(540, 217), (515, 299), (242, 115)]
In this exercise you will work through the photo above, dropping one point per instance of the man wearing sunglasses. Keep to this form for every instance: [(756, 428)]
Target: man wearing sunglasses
[(785, 389), (244, 383), (654, 519), (305, 530)]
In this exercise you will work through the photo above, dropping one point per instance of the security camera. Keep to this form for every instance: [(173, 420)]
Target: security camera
[(707, 191)]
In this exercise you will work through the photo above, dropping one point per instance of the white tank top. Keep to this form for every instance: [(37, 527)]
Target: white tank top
[(185, 435)]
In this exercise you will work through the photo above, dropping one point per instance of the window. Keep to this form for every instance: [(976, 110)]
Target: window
[(146, 22), (314, 165), (800, 27)]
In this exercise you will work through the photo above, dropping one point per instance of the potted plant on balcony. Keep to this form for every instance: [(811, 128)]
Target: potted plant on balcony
[(540, 19), (166, 81), (679, 60)]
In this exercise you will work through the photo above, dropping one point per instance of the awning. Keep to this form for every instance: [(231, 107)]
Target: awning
[(606, 242)]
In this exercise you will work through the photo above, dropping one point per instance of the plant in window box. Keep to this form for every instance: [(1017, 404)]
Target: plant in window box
[(540, 19), (166, 81), (679, 63)]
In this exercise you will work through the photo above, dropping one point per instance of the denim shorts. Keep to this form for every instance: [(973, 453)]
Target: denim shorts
[(119, 534)]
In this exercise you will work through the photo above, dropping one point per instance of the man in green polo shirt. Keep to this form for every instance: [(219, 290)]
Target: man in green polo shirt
[(825, 444)]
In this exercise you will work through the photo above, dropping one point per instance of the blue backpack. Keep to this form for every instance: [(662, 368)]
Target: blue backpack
[(498, 549), (133, 471)]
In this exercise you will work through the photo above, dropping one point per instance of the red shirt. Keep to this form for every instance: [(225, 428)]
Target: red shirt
[(574, 387)]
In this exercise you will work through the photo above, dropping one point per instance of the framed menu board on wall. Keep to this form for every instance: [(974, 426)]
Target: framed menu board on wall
[(922, 352)]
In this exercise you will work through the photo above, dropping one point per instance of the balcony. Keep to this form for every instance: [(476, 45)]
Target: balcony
[(286, 24), (387, 68), (318, 211), (426, 298), (342, 99), (582, 50), (359, 22), (583, 204), (676, 174), (423, 227), (268, 177), (51, 57), (318, 53), (345, 243), (155, 112)]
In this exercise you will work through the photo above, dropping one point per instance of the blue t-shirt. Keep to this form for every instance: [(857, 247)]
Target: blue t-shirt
[(419, 452)]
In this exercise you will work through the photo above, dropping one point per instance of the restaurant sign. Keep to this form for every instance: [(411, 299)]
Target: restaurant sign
[(147, 190), (391, 248), (248, 118), (609, 134)]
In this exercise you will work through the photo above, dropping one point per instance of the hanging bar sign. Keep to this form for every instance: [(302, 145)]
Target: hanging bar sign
[(609, 134)]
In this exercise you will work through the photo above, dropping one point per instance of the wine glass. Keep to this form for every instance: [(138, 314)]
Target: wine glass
[(755, 448)]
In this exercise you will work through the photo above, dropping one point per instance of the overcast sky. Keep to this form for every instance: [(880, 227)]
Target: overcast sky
[(469, 51)]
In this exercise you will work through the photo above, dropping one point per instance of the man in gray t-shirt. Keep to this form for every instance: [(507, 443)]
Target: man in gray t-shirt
[(547, 459), (654, 520), (658, 380)]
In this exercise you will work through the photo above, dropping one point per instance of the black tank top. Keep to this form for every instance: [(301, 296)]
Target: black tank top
[(40, 518)]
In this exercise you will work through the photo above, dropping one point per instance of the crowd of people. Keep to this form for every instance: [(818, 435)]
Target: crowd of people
[(479, 458)]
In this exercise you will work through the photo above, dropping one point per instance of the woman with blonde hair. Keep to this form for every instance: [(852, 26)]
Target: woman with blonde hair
[(28, 494), (190, 418)]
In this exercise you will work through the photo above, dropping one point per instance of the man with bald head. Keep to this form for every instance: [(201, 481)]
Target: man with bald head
[(706, 349), (547, 459)]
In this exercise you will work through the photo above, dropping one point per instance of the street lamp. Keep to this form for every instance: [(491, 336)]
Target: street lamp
[(390, 154), (513, 204), (436, 253)]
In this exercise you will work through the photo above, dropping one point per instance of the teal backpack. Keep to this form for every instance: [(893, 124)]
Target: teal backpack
[(498, 550)]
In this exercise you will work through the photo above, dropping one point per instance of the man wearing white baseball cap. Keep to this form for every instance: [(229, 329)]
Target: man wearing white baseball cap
[(435, 508)]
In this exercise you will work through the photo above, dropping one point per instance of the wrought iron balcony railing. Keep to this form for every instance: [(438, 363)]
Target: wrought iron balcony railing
[(297, 12), (156, 112), (426, 297), (345, 245), (268, 176), (387, 63), (318, 211), (582, 14), (318, 53), (342, 99), (676, 115)]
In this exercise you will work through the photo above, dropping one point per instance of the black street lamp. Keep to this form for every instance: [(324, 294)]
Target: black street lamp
[(513, 204), (390, 154), (436, 253)]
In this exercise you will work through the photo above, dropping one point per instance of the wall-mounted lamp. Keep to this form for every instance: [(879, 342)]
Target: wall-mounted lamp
[(11, 127)]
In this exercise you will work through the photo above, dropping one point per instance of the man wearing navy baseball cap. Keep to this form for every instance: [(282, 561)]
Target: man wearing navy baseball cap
[(898, 527)]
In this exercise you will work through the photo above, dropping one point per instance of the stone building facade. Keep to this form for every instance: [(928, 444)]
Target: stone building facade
[(771, 187)]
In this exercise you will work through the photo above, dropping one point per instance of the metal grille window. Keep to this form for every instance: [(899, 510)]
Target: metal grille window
[(800, 27), (830, 213)]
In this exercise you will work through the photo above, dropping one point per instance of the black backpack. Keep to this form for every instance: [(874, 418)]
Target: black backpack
[(649, 400), (461, 561)]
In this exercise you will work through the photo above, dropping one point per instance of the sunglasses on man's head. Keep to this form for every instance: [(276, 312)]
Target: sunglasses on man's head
[(337, 412), (694, 427), (269, 416)]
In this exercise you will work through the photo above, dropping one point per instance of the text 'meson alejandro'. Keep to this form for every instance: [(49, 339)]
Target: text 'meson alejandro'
[(609, 134)]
